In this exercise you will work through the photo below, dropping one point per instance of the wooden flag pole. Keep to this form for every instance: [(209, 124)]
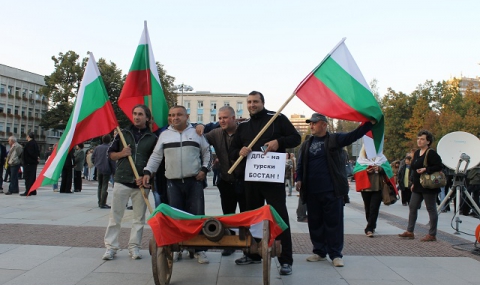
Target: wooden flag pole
[(135, 172), (230, 171)]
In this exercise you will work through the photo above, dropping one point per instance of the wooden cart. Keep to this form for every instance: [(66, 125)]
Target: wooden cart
[(215, 236)]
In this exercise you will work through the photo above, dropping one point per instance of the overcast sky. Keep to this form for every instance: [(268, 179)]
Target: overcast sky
[(240, 46)]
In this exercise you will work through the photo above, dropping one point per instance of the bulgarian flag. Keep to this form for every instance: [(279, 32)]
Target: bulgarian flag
[(336, 88), (170, 225), (92, 116), (360, 171), (143, 86)]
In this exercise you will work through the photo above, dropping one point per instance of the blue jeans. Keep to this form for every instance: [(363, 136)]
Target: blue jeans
[(13, 187), (186, 195)]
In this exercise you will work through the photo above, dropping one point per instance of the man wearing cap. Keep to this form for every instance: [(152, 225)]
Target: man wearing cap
[(322, 183), (279, 136), (31, 155)]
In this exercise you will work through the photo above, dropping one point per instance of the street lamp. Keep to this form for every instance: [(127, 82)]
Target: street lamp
[(183, 87)]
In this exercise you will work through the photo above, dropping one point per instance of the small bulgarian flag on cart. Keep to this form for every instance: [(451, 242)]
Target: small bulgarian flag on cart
[(170, 225)]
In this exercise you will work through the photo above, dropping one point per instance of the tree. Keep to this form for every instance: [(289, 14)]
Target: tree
[(167, 85), (61, 88)]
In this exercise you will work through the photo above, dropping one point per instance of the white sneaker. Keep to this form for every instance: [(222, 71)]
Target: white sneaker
[(315, 257), (201, 257), (135, 253), (337, 262), (176, 256), (109, 254)]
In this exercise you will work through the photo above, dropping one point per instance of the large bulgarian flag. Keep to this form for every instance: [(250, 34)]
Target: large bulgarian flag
[(336, 88), (170, 225), (92, 116), (143, 86)]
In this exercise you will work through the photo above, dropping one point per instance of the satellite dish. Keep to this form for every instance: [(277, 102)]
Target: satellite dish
[(452, 145)]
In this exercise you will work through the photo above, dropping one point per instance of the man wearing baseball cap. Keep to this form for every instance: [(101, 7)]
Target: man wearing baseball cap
[(322, 183)]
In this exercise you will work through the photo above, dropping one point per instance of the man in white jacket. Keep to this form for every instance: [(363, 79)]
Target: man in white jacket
[(187, 161)]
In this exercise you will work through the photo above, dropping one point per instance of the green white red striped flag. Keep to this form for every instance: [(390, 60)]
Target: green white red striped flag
[(92, 116), (143, 82), (170, 225), (360, 171), (336, 88)]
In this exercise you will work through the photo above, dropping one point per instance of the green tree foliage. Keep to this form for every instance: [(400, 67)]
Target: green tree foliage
[(167, 85), (61, 88)]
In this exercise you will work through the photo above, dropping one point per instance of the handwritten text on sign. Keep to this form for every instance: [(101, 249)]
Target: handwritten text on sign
[(269, 167)]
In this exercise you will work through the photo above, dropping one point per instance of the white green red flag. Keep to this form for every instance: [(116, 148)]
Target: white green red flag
[(92, 116), (170, 225), (360, 171), (143, 83), (336, 88)]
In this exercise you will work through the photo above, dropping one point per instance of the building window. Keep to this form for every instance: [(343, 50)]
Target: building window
[(17, 91), (10, 90), (2, 126), (16, 110), (199, 118), (9, 110), (213, 118), (15, 129), (2, 106), (226, 103), (239, 106), (3, 87), (24, 93), (213, 106), (187, 104), (200, 104), (30, 94), (22, 129)]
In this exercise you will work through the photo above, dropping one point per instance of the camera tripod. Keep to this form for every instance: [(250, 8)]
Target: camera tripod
[(459, 187)]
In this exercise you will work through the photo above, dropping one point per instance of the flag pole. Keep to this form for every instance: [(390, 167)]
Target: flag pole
[(135, 172), (261, 132)]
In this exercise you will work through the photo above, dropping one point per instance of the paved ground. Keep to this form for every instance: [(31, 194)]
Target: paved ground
[(57, 238)]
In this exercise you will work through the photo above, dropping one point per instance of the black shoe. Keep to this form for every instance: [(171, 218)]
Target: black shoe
[(228, 252), (8, 193), (130, 208), (246, 260), (105, 207), (286, 269), (78, 190), (23, 194)]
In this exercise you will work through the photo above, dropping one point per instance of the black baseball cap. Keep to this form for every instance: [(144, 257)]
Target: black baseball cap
[(316, 117)]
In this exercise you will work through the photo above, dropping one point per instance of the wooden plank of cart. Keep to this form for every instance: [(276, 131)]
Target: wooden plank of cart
[(215, 234)]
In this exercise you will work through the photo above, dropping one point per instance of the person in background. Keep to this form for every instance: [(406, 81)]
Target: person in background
[(105, 167), (215, 169), (67, 174), (288, 174), (13, 160), (434, 163), (473, 179), (91, 165), (3, 158), (31, 157), (404, 181), (79, 157)]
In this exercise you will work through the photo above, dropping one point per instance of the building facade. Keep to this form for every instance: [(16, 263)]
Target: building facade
[(298, 121), (202, 106), (21, 105)]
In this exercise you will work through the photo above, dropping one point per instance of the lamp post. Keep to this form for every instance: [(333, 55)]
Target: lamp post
[(183, 87)]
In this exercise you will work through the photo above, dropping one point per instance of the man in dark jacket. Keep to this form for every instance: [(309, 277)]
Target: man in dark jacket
[(279, 136), (31, 155), (105, 167), (322, 183), (140, 143)]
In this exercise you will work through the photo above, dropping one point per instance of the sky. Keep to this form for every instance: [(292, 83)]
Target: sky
[(240, 46)]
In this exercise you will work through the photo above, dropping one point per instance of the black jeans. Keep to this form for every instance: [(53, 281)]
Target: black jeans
[(102, 191), (29, 174), (77, 180), (274, 194), (325, 223), (231, 194), (66, 185), (372, 201)]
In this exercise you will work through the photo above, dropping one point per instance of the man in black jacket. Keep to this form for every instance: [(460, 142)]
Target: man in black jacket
[(322, 183), (279, 136), (31, 155)]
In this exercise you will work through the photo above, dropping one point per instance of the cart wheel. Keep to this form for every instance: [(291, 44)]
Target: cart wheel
[(266, 253), (162, 263)]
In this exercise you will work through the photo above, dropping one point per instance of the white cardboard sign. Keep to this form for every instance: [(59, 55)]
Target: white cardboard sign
[(269, 167)]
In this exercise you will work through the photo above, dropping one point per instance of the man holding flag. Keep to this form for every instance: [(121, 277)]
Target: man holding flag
[(140, 144), (322, 159)]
